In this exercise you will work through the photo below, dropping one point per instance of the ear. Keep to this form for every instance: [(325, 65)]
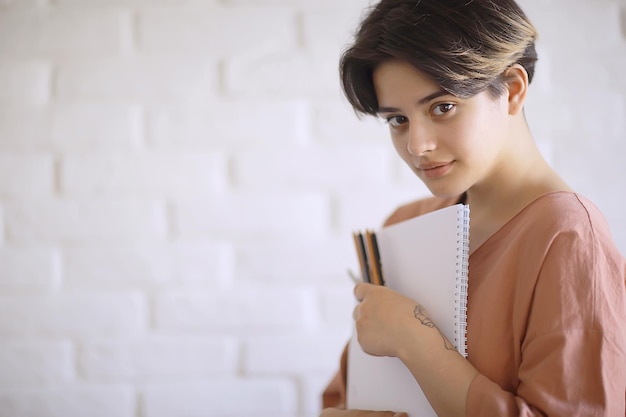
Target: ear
[(517, 85)]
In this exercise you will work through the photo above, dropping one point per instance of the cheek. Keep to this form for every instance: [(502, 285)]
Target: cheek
[(484, 132)]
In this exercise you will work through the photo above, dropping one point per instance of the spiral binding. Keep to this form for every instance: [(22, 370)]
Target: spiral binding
[(462, 269)]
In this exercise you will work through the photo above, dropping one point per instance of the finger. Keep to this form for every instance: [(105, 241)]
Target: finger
[(361, 289), (355, 313)]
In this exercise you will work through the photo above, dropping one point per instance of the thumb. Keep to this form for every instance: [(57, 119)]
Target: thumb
[(361, 289)]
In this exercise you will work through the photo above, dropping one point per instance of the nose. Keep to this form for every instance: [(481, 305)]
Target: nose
[(420, 140)]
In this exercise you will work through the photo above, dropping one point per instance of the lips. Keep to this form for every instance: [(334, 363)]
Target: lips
[(435, 169), (432, 165)]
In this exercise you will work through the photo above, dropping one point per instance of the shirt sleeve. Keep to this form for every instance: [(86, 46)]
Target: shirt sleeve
[(573, 359)]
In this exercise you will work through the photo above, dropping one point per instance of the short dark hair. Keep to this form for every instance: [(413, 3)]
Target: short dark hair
[(464, 45)]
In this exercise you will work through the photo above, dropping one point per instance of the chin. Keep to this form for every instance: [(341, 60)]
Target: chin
[(448, 186), (440, 191)]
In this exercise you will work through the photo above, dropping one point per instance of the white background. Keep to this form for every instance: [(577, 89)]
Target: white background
[(178, 184)]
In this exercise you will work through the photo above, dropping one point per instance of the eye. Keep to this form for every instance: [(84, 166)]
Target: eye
[(396, 121), (441, 109)]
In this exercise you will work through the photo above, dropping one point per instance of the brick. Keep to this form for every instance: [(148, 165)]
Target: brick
[(15, 4), (50, 31), (333, 167), (600, 24), (623, 21), (601, 114), (331, 25), (2, 226), (139, 79), (255, 214), (336, 122), (69, 400), (326, 261), (24, 82), (29, 270), (143, 175), (72, 315), (181, 265), (601, 192), (312, 387), (289, 74), (307, 4), (542, 80), (337, 305), (357, 210), (233, 397), (83, 222), (150, 3), (247, 308), (546, 149), (600, 69), (91, 127), (158, 358), (24, 176), (325, 28), (179, 29), (613, 59), (579, 154), (535, 109), (205, 126), (294, 354), (35, 363), (24, 128)]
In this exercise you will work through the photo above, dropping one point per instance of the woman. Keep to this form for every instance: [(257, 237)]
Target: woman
[(546, 302)]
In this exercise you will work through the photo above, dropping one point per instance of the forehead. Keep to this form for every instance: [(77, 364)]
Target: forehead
[(394, 78)]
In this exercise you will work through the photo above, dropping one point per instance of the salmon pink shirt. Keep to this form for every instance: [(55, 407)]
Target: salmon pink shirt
[(546, 321)]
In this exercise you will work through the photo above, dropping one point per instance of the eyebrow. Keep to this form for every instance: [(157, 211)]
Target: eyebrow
[(423, 101)]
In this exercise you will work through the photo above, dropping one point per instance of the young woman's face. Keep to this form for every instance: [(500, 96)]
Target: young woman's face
[(451, 144)]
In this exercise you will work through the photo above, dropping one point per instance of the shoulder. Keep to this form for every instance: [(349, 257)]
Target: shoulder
[(556, 232), (418, 208), (580, 270), (574, 240), (566, 212)]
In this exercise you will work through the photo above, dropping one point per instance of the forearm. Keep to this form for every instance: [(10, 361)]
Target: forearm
[(443, 374)]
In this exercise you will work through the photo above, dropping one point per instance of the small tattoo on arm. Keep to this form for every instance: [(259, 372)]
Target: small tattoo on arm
[(420, 313)]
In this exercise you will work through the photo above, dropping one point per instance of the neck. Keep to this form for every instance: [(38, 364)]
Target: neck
[(520, 175)]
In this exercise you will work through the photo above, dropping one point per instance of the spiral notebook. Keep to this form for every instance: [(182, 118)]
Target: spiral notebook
[(425, 258)]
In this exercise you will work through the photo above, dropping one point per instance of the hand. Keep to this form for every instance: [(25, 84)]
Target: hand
[(335, 412), (384, 318)]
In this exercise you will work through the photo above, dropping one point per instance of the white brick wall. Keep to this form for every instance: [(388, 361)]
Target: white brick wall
[(36, 363), (24, 81), (158, 358), (59, 400), (51, 32), (249, 396), (82, 221), (76, 314), (178, 184), (29, 270), (91, 128), (26, 176)]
